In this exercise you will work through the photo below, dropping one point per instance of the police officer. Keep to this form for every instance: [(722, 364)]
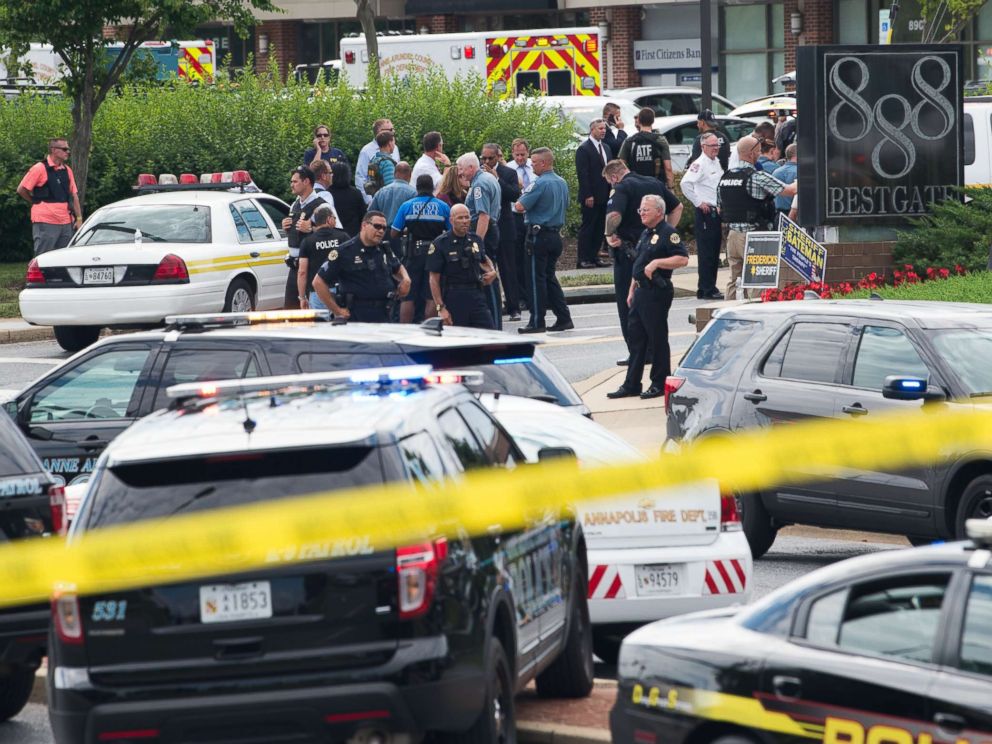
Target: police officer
[(297, 225), (699, 183), (624, 228), (482, 197), (419, 221), (458, 259), (368, 272), (314, 250), (544, 204), (659, 252)]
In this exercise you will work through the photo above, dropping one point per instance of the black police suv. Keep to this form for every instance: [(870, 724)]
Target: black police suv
[(777, 363), (890, 647), (70, 414), (32, 505), (358, 643)]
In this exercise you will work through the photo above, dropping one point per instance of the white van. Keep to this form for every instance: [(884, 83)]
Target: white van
[(977, 124)]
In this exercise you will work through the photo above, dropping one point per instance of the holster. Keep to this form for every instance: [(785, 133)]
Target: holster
[(629, 250)]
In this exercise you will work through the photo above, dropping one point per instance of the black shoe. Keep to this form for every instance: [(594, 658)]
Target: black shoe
[(514, 316), (623, 362), (699, 295), (600, 263), (652, 392), (531, 329), (587, 265), (715, 296), (623, 392), (566, 325)]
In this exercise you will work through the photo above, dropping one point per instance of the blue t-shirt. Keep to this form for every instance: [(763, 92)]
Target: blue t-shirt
[(422, 210), (546, 200)]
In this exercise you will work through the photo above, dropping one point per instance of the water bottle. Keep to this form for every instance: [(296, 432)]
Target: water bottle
[(137, 237)]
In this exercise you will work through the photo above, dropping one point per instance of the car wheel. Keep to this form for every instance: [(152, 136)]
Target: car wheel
[(571, 675), (240, 297), (606, 645), (15, 691), (76, 338), (916, 541), (976, 503), (497, 722), (756, 523)]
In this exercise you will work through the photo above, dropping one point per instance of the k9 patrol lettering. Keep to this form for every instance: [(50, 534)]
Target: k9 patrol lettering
[(20, 487), (335, 549)]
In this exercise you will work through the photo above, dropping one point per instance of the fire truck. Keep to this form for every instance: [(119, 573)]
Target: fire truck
[(552, 62)]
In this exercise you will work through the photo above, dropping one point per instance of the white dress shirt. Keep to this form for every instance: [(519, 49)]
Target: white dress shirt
[(701, 180), (425, 165), (598, 145), (525, 172)]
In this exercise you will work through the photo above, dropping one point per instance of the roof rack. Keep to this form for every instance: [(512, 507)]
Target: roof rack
[(980, 532), (203, 321)]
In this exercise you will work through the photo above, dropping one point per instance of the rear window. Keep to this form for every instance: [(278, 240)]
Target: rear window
[(158, 223), (16, 455), (720, 343), (147, 490)]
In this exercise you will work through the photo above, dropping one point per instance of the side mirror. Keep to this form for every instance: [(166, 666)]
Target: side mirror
[(899, 387), (11, 408), (40, 432), (555, 453)]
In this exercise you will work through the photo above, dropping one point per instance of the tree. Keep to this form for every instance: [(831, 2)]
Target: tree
[(74, 28), (366, 16), (943, 20)]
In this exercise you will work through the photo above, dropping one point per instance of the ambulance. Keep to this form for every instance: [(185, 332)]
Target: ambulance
[(550, 62)]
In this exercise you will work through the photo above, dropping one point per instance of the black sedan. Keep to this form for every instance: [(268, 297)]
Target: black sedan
[(891, 648)]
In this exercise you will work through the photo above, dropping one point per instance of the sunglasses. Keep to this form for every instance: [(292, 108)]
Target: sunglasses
[(66, 149), (378, 225)]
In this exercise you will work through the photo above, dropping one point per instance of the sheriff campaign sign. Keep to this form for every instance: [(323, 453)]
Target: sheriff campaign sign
[(880, 136), (761, 260), (801, 252)]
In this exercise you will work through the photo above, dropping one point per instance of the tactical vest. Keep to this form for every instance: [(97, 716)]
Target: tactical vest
[(738, 206), (645, 155), (55, 190), (296, 212)]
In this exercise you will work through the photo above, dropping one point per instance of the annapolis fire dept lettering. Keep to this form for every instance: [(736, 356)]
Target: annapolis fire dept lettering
[(630, 516), (334, 549)]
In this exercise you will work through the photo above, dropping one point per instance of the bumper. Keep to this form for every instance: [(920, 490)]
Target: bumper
[(118, 305), (630, 724), (716, 575), (24, 634)]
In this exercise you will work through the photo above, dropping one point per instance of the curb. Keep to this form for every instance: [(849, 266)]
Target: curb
[(532, 732), (20, 335), (604, 293)]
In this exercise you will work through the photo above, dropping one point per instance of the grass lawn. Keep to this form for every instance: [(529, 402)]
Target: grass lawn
[(585, 280), (11, 283)]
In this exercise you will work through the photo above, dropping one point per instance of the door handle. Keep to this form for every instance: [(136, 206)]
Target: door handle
[(254, 254), (787, 687), (949, 722), (93, 443), (755, 397), (856, 410)]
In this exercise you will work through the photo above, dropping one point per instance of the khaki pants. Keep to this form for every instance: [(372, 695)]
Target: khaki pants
[(735, 257)]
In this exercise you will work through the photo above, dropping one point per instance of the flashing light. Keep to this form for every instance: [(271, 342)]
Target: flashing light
[(216, 177), (542, 41), (57, 504), (188, 178), (167, 179), (911, 384), (241, 176), (233, 320), (456, 52), (469, 52), (496, 50), (147, 179), (205, 178), (227, 176), (514, 360), (592, 45), (730, 516)]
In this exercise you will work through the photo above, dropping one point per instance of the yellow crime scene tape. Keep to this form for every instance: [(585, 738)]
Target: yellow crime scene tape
[(249, 537)]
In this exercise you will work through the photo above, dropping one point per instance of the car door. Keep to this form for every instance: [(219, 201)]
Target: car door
[(962, 703), (186, 362), (71, 416), (900, 502), (266, 252), (862, 655)]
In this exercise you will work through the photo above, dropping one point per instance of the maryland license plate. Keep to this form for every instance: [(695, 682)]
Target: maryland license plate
[(224, 603), (660, 578), (99, 275)]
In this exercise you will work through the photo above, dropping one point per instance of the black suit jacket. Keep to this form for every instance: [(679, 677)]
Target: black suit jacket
[(509, 192), (589, 168), (614, 141)]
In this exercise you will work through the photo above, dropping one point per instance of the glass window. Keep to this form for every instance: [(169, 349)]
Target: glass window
[(329, 362), (773, 362), (744, 27), (746, 75), (277, 212), (968, 124), (684, 135), (824, 620), (815, 352), (852, 22), (976, 639), (985, 23), (968, 352), (883, 352), (16, 455), (720, 108), (737, 129), (158, 223), (256, 223), (720, 343), (464, 444), (100, 387), (244, 234), (200, 365), (422, 459), (496, 444), (778, 26)]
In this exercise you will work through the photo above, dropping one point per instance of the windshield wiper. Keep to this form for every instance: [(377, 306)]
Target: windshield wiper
[(980, 395)]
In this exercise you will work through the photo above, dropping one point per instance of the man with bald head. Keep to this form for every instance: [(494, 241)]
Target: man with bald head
[(460, 273), (388, 199), (745, 199)]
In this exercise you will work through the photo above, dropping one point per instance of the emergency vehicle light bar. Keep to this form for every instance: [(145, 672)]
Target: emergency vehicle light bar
[(980, 532), (235, 320), (224, 181)]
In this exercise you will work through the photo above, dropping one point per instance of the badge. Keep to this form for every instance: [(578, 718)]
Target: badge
[(654, 238), (612, 192), (694, 167), (430, 250), (332, 256), (358, 259), (675, 239), (475, 247), (477, 192)]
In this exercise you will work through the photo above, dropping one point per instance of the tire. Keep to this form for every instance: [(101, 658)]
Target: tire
[(917, 541), (15, 691), (76, 338), (240, 297), (756, 523), (497, 723), (571, 675), (976, 503), (606, 645)]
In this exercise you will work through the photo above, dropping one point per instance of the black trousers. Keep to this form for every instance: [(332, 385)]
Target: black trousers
[(369, 311), (648, 325), (508, 259), (545, 249), (708, 231), (491, 243), (591, 232), (520, 254), (623, 269), (469, 306), (291, 298)]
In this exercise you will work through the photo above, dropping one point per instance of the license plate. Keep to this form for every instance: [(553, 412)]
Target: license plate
[(99, 275), (662, 578), (224, 603)]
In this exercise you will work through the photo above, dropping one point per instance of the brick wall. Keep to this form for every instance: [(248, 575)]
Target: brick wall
[(437, 24), (625, 29), (283, 38), (818, 26)]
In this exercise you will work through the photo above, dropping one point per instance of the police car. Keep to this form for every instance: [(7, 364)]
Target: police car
[(176, 248), (651, 554), (358, 643), (891, 647)]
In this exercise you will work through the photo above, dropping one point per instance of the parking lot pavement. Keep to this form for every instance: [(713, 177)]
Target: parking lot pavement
[(583, 721)]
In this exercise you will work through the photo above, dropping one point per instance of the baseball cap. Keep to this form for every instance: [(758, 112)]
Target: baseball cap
[(706, 115)]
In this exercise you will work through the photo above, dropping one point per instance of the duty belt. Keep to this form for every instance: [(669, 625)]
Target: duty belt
[(418, 248), (463, 285), (540, 228)]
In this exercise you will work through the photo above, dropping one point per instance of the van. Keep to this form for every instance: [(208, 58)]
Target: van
[(977, 125)]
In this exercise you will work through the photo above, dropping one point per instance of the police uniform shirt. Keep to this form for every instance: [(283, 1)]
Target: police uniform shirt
[(445, 257), (701, 179), (317, 246), (546, 200), (626, 200), (425, 217), (659, 242), (483, 197), (366, 273)]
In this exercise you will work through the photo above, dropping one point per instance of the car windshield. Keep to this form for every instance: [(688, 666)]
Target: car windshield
[(158, 223), (584, 115), (968, 352)]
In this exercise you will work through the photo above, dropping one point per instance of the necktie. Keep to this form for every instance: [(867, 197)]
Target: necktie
[(602, 154), (524, 175)]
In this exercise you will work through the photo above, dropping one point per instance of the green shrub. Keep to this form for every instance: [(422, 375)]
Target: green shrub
[(975, 287), (255, 123), (955, 234)]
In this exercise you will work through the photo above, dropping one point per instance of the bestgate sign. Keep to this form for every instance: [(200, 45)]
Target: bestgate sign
[(880, 136)]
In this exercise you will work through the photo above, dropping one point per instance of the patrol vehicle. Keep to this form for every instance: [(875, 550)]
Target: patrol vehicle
[(32, 505), (358, 643), (72, 412), (184, 247), (890, 647)]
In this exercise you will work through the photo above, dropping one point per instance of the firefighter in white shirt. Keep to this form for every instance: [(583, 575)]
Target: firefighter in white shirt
[(699, 184)]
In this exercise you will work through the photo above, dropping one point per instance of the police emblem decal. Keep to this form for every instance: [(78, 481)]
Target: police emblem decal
[(654, 238), (675, 239), (332, 256), (430, 250)]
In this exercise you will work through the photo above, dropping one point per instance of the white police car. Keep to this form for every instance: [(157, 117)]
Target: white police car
[(183, 248)]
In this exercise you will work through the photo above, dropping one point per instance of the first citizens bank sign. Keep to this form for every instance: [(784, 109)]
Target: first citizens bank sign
[(880, 135)]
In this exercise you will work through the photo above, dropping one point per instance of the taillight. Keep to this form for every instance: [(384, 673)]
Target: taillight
[(730, 518), (34, 274), (672, 384), (171, 269), (66, 618), (416, 572), (56, 501)]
